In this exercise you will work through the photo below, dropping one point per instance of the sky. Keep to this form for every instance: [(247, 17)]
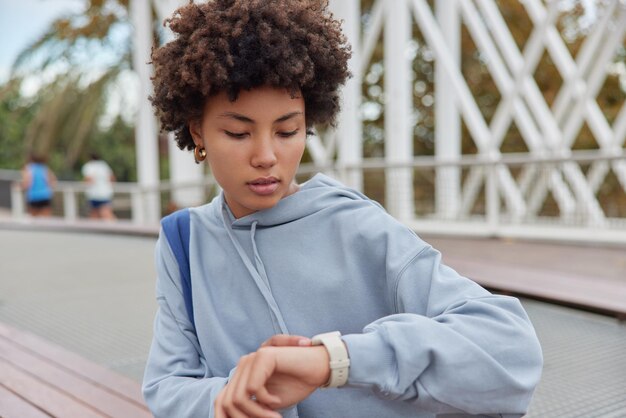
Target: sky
[(22, 22)]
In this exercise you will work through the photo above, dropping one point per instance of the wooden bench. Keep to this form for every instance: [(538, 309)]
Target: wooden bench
[(41, 379)]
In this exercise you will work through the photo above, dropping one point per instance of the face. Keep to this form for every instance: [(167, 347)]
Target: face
[(253, 145)]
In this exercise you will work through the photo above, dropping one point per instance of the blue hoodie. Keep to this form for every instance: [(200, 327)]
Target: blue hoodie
[(422, 339)]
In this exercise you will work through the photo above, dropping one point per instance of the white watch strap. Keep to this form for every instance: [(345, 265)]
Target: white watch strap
[(338, 353)]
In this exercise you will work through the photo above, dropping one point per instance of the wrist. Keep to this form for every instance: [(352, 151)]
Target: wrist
[(310, 364), (339, 361), (322, 362)]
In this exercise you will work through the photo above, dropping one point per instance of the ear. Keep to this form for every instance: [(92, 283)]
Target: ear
[(195, 129)]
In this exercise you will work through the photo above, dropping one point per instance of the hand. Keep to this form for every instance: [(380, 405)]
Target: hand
[(276, 377)]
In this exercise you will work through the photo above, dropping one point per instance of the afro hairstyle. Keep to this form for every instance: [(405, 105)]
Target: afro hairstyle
[(229, 45)]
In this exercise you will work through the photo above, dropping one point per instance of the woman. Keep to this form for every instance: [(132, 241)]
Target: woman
[(275, 266), (99, 178), (38, 181)]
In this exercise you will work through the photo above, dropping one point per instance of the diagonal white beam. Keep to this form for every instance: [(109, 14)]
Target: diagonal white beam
[(522, 66), (372, 34), (511, 105), (471, 188), (471, 114), (595, 80), (619, 127), (584, 59)]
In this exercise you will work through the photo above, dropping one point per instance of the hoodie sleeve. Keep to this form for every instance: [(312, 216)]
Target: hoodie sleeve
[(453, 347), (177, 381)]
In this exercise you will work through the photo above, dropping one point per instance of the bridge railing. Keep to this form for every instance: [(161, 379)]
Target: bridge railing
[(550, 206), (70, 201)]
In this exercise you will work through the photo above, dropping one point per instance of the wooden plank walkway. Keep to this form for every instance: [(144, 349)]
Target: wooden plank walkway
[(588, 277), (41, 379)]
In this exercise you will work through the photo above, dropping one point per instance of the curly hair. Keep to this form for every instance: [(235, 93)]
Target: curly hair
[(229, 45)]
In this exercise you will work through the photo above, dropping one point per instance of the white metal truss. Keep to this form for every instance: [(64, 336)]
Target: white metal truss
[(476, 124), (549, 130)]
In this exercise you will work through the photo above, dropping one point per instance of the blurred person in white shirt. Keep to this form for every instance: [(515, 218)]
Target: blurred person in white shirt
[(99, 178)]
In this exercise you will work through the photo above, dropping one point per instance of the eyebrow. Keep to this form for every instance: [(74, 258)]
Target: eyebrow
[(246, 119)]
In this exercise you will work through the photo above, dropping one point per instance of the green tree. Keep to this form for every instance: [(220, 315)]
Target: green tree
[(85, 53), (16, 113)]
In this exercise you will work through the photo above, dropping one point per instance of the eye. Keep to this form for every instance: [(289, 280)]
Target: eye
[(236, 135), (288, 134)]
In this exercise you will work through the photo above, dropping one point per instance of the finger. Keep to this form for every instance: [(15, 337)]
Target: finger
[(282, 340), (264, 367), (239, 393), (244, 395), (231, 410), (263, 396), (218, 406), (257, 410)]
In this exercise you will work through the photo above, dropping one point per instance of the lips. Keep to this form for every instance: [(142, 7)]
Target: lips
[(264, 186)]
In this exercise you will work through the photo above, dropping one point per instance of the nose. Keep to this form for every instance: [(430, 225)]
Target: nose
[(264, 154)]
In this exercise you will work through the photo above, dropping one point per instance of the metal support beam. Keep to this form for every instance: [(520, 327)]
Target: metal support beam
[(448, 121), (183, 171), (350, 130), (398, 107), (70, 206), (146, 140)]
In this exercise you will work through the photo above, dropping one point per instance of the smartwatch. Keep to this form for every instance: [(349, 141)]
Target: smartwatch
[(339, 360)]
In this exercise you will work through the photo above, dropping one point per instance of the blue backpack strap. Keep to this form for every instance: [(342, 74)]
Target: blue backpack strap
[(176, 229)]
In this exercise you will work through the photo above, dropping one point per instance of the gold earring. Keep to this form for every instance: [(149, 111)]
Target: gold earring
[(199, 154)]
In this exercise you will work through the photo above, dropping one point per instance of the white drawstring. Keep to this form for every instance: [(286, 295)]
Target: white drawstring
[(258, 273)]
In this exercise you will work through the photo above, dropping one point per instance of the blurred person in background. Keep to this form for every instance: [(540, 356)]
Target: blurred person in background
[(38, 181), (99, 178)]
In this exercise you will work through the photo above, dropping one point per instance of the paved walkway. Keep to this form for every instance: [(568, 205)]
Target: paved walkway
[(94, 294)]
